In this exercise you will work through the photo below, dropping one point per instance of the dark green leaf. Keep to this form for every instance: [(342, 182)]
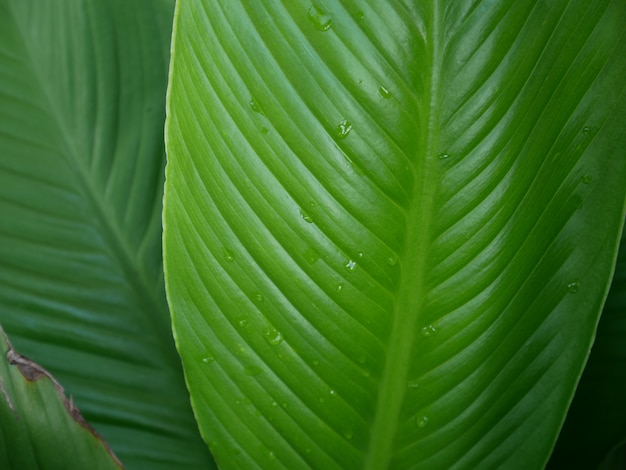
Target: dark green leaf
[(82, 93), (596, 421)]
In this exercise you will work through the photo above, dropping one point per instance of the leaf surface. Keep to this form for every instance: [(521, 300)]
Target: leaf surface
[(390, 226), (82, 93), (39, 426), (596, 420)]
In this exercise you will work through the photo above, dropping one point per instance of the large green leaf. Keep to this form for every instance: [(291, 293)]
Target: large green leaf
[(39, 426), (596, 421), (390, 226), (82, 107)]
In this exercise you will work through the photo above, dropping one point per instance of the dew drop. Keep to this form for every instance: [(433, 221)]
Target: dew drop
[(348, 433), (412, 385), (365, 373), (319, 19), (252, 370), (343, 129), (428, 331), (443, 155), (311, 255), (360, 15), (586, 130), (586, 179), (208, 360), (306, 217), (350, 265), (242, 322), (339, 287), (573, 286), (392, 260), (360, 254), (275, 404), (273, 336), (422, 421), (241, 351), (229, 256), (259, 298), (264, 130), (316, 362), (255, 106), (384, 93), (332, 393), (271, 455)]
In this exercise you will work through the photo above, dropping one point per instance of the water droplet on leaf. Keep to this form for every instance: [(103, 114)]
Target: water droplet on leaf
[(208, 360), (319, 19), (273, 336), (306, 217), (228, 256), (586, 179), (242, 322), (428, 331), (384, 93), (443, 156), (392, 260), (573, 286), (255, 106), (422, 421), (350, 265), (311, 255), (343, 129)]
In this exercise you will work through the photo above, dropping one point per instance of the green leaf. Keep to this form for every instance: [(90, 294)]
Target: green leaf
[(390, 226), (82, 108), (39, 426), (596, 420)]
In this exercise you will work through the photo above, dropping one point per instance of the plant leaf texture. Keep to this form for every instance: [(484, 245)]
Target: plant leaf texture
[(596, 420), (82, 108), (390, 226), (39, 426)]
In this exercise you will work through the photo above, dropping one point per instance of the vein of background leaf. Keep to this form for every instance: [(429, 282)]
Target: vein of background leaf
[(82, 285)]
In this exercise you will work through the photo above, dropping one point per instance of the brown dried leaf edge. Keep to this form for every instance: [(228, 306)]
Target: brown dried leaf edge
[(32, 372)]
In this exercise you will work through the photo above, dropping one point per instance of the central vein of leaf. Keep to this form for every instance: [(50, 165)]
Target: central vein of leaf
[(408, 308)]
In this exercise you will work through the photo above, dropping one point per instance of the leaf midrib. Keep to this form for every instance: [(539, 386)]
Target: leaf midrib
[(118, 247), (408, 307)]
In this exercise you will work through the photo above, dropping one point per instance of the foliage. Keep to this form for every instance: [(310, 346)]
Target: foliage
[(389, 230)]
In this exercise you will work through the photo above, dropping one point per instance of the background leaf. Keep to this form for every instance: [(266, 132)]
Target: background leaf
[(596, 421), (36, 427), (390, 226), (82, 90)]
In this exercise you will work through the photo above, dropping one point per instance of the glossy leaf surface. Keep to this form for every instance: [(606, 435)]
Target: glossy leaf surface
[(390, 226), (82, 108), (39, 426), (596, 421)]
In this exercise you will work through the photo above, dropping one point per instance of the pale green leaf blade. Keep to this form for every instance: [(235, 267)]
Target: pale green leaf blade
[(82, 92), (39, 426), (390, 226)]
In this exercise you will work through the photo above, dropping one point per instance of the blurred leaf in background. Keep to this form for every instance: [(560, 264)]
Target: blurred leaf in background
[(82, 109)]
